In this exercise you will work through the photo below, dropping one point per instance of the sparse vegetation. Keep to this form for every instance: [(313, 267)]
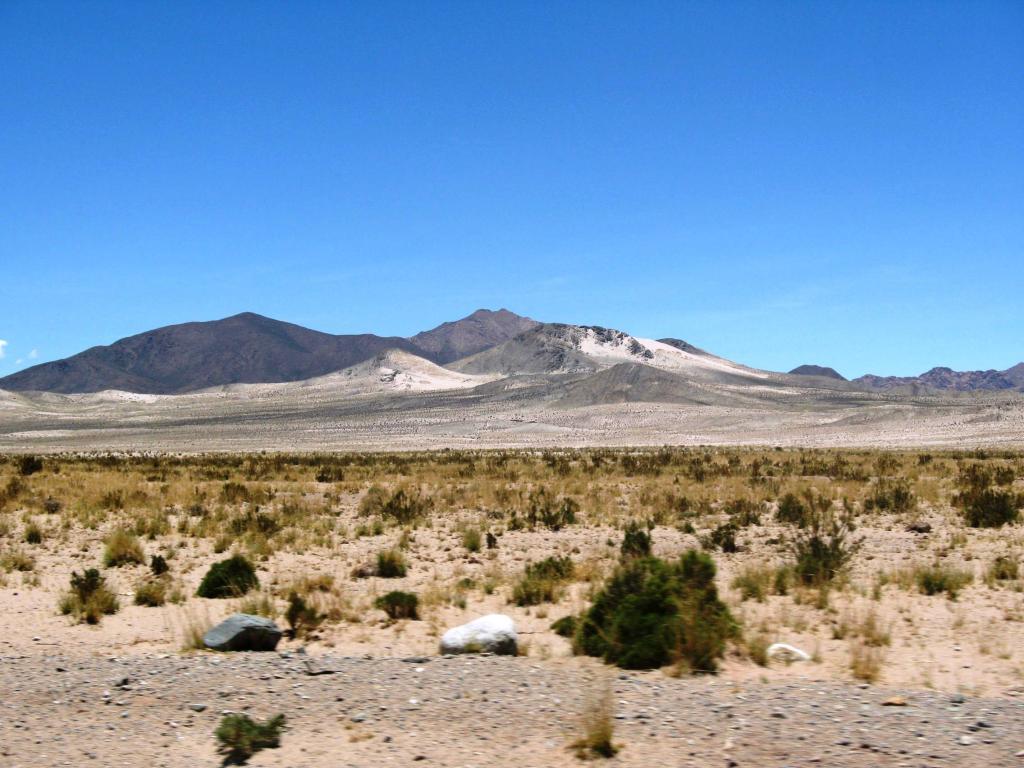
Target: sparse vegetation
[(938, 578), (391, 564), (542, 581), (598, 728), (89, 599), (399, 605), (151, 592), (239, 737), (122, 549), (823, 547), (302, 618)]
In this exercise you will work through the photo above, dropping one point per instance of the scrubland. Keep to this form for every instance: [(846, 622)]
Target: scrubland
[(902, 570)]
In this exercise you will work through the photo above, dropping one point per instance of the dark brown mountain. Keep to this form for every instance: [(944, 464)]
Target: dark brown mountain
[(245, 349), (817, 370), (481, 330), (948, 379)]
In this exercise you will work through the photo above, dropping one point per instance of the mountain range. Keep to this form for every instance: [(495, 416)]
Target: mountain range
[(249, 349)]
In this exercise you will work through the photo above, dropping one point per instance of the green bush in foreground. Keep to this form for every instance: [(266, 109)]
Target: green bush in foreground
[(239, 737), (653, 612), (229, 578)]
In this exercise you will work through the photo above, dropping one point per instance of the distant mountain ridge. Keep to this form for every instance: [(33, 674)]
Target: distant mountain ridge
[(948, 379), (475, 351), (246, 349)]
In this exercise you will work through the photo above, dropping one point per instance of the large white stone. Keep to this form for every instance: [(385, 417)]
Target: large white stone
[(495, 633)]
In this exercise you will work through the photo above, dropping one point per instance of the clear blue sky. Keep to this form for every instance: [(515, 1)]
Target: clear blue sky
[(778, 182)]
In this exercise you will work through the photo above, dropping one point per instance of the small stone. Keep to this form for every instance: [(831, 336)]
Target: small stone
[(197, 707), (895, 701), (965, 741)]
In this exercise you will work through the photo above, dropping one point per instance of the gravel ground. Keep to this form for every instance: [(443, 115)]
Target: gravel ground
[(473, 711)]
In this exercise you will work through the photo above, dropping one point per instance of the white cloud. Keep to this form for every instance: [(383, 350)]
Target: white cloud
[(19, 361), (2, 345), (33, 354)]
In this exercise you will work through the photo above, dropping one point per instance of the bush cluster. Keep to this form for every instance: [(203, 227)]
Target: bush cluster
[(653, 612)]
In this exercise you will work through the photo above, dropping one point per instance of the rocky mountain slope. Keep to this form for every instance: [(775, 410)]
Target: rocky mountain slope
[(247, 348), (481, 330)]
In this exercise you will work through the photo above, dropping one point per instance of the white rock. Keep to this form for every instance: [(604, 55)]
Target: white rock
[(495, 633), (786, 652)]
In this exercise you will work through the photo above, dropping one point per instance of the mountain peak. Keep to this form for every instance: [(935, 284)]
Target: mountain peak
[(481, 330), (817, 370)]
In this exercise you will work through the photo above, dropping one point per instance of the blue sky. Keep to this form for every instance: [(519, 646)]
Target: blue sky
[(778, 182)]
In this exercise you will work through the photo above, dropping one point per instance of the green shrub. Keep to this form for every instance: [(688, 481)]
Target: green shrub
[(402, 506), (1004, 568), (550, 511), (754, 582), (229, 578), (239, 737), (89, 599), (302, 618), (636, 542), (938, 578), (471, 539), (744, 512), (652, 612), (391, 564), (33, 534), (723, 537), (151, 592), (399, 605), (122, 548), (989, 508), (565, 626), (29, 465), (890, 496), (330, 474), (791, 511), (823, 547), (542, 581)]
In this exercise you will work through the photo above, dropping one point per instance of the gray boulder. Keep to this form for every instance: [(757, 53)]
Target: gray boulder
[(494, 633), (243, 632)]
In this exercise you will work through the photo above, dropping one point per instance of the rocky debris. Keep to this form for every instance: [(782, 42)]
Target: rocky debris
[(474, 710), (494, 633), (919, 527), (786, 652), (243, 632)]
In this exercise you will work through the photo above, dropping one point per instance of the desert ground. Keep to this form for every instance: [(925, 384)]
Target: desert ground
[(916, 642), (519, 412)]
